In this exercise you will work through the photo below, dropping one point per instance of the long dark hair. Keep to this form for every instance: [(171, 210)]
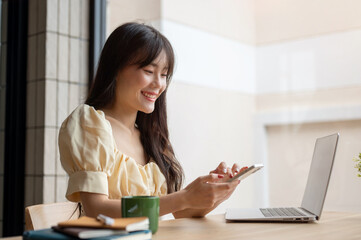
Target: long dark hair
[(134, 43)]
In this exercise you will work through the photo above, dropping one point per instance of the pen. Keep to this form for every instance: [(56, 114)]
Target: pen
[(105, 220)]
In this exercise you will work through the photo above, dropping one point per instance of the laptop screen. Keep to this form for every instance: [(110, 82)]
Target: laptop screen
[(319, 175)]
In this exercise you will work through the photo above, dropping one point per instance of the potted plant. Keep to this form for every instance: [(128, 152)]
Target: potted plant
[(358, 164)]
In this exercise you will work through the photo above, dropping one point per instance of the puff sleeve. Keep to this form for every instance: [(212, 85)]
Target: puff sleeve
[(86, 149)]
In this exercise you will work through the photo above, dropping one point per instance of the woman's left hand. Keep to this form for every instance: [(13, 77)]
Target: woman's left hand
[(227, 172)]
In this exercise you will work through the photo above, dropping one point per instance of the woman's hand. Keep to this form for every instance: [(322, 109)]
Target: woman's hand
[(227, 172), (208, 191)]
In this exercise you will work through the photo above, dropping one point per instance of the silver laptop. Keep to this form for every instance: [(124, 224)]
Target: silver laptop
[(314, 196)]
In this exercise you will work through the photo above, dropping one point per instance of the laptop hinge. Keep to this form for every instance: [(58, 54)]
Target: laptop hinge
[(303, 209)]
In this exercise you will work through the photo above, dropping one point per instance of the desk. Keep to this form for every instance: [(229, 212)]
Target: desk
[(333, 225)]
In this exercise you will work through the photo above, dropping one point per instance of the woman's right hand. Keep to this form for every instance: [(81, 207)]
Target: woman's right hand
[(208, 191)]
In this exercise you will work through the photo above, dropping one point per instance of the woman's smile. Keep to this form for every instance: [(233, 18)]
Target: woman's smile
[(150, 96), (138, 88)]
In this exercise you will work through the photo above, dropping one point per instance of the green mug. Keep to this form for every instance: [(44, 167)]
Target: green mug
[(142, 206)]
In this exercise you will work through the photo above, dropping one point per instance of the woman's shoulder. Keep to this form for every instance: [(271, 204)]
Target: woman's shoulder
[(85, 115), (84, 110)]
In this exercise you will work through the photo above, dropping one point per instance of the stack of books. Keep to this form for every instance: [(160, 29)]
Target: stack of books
[(91, 228)]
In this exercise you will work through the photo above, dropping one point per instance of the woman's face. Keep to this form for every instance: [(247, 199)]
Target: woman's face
[(138, 88)]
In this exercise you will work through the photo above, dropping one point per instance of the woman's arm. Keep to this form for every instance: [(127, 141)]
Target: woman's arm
[(221, 170), (172, 202), (197, 199), (192, 212), (95, 204)]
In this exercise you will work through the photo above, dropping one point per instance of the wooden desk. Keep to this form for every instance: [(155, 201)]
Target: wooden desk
[(333, 225)]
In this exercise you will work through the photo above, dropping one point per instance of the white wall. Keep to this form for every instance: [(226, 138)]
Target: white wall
[(295, 160), (210, 101), (308, 84), (240, 61), (121, 11), (210, 60), (206, 129), (286, 20), (308, 64), (231, 19)]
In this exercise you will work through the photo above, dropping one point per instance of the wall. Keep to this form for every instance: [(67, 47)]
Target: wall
[(255, 76), (213, 102), (295, 159), (230, 19), (122, 11), (206, 128), (56, 83), (286, 20), (210, 99), (308, 84)]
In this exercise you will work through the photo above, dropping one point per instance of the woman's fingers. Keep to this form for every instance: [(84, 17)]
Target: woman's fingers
[(222, 186), (242, 169), (227, 195), (206, 191), (221, 169), (235, 168), (213, 177), (228, 172)]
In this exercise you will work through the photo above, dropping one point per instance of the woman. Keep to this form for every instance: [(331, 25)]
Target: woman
[(117, 143)]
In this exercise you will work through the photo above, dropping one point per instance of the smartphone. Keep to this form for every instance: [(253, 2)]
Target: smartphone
[(245, 173)]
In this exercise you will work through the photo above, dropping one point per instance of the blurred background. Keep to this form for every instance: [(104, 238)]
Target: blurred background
[(256, 81)]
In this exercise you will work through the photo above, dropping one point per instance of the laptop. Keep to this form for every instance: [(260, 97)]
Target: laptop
[(313, 198)]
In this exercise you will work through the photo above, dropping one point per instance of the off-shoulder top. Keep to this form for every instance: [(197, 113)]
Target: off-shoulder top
[(89, 154)]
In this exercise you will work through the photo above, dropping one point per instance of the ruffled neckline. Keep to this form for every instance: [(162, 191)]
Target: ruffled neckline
[(101, 113)]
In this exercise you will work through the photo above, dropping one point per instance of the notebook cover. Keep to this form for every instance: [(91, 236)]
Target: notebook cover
[(45, 234), (85, 233), (119, 223), (52, 235)]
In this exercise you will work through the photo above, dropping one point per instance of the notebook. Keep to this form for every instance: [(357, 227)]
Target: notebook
[(127, 224), (313, 198), (50, 234)]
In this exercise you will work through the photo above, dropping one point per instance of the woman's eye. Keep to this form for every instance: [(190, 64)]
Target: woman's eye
[(165, 75), (148, 71)]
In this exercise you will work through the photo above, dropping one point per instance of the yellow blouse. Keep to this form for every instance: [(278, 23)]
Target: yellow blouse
[(88, 153)]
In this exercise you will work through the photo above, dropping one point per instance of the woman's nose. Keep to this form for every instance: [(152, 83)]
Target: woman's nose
[(157, 82)]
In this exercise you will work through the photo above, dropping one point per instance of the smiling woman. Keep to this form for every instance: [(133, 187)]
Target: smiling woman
[(137, 60), (117, 143), (140, 87)]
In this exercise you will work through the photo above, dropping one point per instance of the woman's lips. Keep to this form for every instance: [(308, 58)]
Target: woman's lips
[(150, 96)]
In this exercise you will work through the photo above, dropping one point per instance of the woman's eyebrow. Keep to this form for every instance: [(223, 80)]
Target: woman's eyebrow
[(156, 65)]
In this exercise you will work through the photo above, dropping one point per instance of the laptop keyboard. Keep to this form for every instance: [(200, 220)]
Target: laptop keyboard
[(281, 212)]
